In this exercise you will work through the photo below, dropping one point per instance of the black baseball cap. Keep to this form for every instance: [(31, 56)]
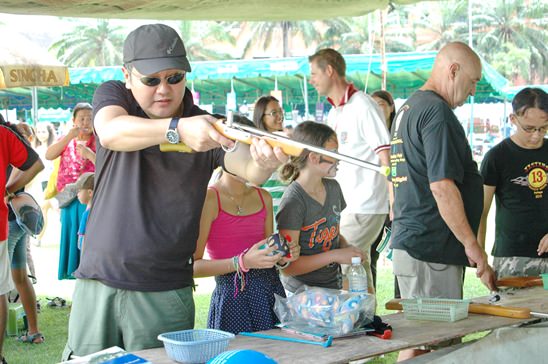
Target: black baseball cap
[(153, 48)]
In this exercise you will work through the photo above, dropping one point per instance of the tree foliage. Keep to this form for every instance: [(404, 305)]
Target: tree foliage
[(202, 39), (91, 46), (514, 25)]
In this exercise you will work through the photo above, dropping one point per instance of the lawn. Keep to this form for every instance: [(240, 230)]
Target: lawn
[(54, 323)]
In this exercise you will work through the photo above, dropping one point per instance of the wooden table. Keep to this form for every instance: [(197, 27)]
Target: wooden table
[(406, 334)]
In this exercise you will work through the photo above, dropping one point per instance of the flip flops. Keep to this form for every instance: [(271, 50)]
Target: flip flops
[(36, 338), (56, 302)]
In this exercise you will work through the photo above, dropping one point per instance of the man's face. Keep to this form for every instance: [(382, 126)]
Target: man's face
[(466, 79), (531, 127), (161, 100), (319, 78)]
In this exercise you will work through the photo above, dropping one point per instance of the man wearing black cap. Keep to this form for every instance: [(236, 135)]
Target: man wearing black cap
[(135, 275)]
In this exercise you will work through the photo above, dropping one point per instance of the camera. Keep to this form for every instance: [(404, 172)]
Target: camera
[(280, 244)]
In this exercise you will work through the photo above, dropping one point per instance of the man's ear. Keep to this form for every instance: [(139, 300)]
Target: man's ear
[(512, 118), (127, 76), (453, 69), (329, 70)]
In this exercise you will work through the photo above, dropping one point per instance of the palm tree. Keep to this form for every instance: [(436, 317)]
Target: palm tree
[(452, 25), (516, 22), (91, 46), (203, 38), (263, 33), (346, 35)]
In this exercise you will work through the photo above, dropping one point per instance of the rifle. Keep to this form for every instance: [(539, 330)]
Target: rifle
[(245, 134)]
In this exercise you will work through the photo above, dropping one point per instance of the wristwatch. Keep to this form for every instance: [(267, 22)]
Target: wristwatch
[(172, 135)]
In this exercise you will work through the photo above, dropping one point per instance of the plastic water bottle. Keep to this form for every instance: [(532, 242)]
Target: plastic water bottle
[(357, 277)]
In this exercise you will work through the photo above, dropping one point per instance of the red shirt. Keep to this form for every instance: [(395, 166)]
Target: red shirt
[(72, 165), (13, 151)]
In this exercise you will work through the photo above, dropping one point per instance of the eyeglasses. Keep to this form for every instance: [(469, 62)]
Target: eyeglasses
[(155, 81), (323, 160), (531, 129), (275, 113)]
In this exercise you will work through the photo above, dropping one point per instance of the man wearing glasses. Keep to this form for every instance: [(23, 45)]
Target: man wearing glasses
[(515, 172), (135, 275)]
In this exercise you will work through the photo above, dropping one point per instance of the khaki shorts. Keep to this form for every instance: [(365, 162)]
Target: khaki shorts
[(362, 230), (519, 266), (102, 316), (6, 282), (422, 279)]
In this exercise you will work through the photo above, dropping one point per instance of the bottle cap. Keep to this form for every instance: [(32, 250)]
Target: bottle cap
[(356, 260)]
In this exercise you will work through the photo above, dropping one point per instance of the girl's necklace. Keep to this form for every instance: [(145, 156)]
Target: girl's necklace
[(239, 206)]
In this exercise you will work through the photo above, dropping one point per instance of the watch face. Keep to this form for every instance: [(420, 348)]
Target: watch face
[(172, 136)]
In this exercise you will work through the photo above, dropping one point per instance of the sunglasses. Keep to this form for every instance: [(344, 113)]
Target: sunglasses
[(155, 81), (323, 160)]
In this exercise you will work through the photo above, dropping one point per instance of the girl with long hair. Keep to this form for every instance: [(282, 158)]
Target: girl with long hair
[(310, 213)]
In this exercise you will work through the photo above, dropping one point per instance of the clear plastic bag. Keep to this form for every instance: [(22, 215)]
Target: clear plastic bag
[(325, 311)]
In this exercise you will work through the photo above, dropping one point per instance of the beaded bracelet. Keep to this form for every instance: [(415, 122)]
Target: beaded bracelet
[(235, 263)]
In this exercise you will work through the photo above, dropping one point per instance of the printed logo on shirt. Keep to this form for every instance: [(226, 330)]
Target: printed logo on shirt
[(537, 173), (343, 137), (396, 152), (321, 235), (536, 178)]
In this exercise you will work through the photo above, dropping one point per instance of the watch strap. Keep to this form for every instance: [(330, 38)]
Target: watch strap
[(174, 122)]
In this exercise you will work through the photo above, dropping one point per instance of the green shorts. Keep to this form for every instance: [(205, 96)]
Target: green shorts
[(102, 316), (519, 266)]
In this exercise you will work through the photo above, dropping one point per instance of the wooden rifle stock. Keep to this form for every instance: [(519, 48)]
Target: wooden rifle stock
[(519, 282)]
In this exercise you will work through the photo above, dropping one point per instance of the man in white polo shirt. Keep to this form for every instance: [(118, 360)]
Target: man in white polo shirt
[(361, 133)]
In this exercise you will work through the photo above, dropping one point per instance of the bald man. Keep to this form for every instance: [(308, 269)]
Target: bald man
[(438, 192)]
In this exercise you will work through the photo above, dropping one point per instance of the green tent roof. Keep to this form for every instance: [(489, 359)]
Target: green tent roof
[(253, 78)]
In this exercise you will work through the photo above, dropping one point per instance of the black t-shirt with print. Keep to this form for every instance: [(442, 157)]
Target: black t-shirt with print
[(428, 145), (521, 195), (145, 215)]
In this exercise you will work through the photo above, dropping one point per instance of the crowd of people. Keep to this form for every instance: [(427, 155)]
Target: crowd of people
[(138, 224)]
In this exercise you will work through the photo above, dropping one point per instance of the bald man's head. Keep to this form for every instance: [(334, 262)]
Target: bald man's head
[(455, 74)]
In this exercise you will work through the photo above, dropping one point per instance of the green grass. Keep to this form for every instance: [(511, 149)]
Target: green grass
[(54, 323)]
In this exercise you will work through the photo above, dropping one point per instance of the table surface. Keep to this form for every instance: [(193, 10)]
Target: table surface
[(406, 334)]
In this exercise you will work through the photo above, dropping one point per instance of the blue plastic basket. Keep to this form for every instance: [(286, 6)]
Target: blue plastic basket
[(195, 346)]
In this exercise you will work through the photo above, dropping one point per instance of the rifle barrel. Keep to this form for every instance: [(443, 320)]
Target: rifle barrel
[(384, 170)]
